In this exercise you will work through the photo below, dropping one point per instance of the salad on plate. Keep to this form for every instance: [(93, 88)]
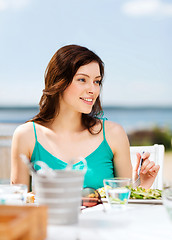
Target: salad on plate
[(138, 193)]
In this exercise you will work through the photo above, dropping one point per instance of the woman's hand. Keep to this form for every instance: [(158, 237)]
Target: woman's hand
[(148, 170)]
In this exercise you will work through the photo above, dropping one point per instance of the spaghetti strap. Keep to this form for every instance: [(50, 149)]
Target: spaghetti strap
[(104, 128), (35, 131), (36, 143)]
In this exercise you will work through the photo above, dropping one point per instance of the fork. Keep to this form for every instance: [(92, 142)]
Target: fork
[(137, 182)]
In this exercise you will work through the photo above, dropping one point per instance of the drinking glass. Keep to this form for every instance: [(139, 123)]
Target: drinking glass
[(167, 200), (14, 194), (117, 191)]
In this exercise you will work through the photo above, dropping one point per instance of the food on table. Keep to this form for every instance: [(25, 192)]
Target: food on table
[(92, 195), (102, 191), (30, 197), (141, 193), (138, 193)]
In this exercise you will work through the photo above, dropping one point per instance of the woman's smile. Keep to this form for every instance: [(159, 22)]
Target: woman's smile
[(88, 101)]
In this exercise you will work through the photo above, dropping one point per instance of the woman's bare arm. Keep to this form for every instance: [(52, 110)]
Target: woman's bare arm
[(20, 145), (119, 144)]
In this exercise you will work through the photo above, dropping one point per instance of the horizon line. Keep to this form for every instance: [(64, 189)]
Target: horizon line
[(121, 106)]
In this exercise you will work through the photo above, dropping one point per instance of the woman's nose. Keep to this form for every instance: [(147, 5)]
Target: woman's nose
[(90, 92), (90, 88)]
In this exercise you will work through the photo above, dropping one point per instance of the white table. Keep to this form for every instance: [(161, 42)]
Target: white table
[(138, 222)]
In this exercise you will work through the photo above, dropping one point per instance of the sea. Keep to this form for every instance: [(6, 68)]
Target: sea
[(131, 118)]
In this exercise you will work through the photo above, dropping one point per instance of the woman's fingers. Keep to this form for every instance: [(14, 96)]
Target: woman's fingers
[(151, 169), (155, 169), (136, 166), (144, 157), (147, 165)]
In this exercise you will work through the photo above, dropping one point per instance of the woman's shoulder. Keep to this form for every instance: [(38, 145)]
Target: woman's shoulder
[(23, 139), (113, 128), (24, 128), (115, 135), (24, 131)]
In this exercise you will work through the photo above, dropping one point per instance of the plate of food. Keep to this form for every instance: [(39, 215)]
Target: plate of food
[(139, 196)]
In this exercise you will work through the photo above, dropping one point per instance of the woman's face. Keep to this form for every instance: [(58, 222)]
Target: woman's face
[(84, 89)]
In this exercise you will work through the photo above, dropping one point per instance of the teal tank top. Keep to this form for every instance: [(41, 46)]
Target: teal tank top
[(99, 163)]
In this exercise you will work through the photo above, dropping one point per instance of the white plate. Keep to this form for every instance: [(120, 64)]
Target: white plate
[(140, 201), (145, 201)]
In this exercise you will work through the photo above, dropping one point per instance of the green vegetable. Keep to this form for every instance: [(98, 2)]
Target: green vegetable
[(141, 193), (138, 193)]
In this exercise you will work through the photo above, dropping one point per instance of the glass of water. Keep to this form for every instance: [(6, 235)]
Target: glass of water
[(117, 191), (13, 194)]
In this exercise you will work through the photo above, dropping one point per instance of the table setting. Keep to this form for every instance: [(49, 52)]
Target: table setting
[(132, 220), (69, 212), (103, 221)]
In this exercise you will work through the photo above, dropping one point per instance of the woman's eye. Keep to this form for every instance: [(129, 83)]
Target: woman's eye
[(98, 82), (81, 79)]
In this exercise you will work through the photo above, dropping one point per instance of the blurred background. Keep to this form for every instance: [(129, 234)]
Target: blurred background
[(133, 38)]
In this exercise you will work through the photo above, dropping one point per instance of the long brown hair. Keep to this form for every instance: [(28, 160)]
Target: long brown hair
[(58, 76)]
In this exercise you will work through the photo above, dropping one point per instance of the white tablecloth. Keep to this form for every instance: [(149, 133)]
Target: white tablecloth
[(137, 222)]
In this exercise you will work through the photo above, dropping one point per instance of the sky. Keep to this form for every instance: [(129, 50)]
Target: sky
[(132, 37)]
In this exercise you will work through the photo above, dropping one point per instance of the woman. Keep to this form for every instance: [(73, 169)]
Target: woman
[(68, 125)]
